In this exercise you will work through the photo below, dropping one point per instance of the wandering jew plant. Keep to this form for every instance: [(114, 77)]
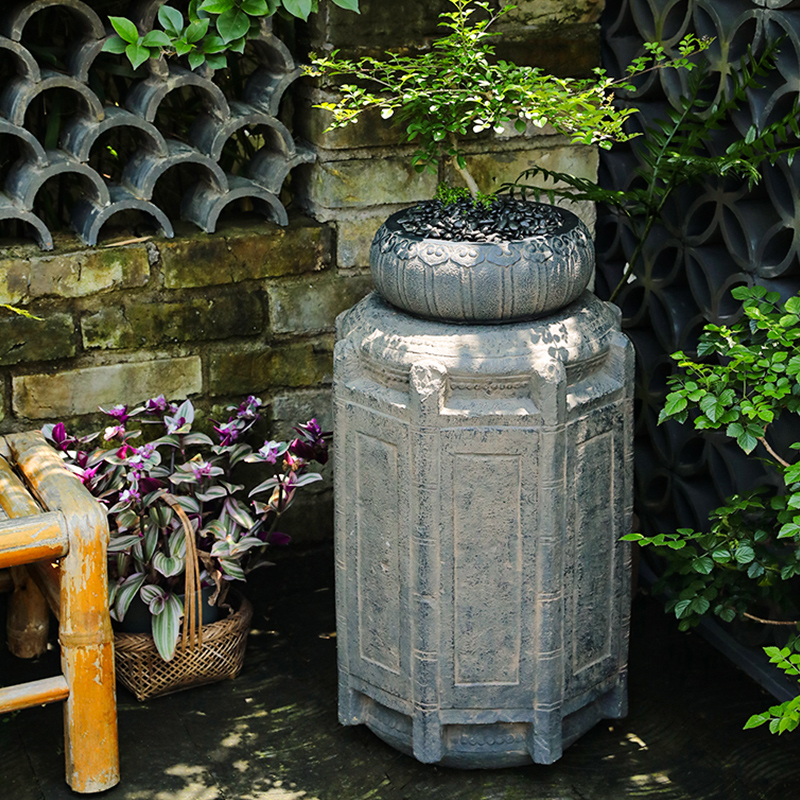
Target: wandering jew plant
[(154, 486)]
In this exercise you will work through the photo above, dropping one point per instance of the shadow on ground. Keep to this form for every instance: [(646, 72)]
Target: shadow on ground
[(272, 734)]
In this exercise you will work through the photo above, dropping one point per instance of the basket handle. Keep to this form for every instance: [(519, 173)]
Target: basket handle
[(192, 621)]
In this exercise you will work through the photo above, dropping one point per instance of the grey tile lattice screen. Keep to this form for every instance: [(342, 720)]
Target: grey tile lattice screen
[(113, 110), (716, 236)]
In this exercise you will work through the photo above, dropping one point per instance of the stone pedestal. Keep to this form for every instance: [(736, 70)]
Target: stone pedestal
[(483, 481)]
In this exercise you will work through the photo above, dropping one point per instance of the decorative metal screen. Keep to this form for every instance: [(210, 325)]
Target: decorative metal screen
[(75, 111), (715, 236)]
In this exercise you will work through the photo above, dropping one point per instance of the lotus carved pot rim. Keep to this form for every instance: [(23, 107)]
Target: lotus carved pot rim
[(484, 282)]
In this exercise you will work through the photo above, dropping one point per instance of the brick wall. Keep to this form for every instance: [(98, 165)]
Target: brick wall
[(251, 308)]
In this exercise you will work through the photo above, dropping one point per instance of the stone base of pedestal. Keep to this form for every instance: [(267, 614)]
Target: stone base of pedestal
[(483, 481), (477, 743)]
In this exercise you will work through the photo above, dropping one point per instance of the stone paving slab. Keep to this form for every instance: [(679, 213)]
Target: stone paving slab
[(273, 733)]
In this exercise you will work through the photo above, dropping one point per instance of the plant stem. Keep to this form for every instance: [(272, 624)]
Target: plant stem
[(770, 621), (634, 258), (472, 186), (768, 448)]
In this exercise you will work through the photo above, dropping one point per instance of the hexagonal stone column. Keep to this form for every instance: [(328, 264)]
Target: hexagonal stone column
[(483, 481)]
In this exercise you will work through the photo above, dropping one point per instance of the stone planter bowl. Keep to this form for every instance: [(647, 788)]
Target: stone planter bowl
[(463, 281)]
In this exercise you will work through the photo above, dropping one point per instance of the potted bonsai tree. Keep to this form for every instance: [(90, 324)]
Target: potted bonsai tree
[(459, 89), (186, 521)]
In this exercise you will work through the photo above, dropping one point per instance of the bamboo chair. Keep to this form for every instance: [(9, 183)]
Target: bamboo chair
[(55, 550)]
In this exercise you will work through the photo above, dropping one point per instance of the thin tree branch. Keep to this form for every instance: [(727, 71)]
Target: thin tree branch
[(768, 448)]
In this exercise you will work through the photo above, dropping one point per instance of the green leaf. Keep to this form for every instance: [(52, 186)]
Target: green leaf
[(211, 44), (789, 529), (114, 44), (195, 32), (167, 565), (137, 55), (125, 28), (171, 19), (700, 605), (232, 568), (703, 565), (349, 5), (166, 626), (755, 570), (217, 61), (744, 554), (237, 45), (747, 441), (126, 591), (217, 6), (298, 8), (792, 305), (120, 543), (756, 720), (256, 8), (233, 24), (682, 608), (182, 47), (156, 39), (196, 59), (675, 404)]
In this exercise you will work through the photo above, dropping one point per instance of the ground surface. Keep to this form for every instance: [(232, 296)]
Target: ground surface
[(273, 734)]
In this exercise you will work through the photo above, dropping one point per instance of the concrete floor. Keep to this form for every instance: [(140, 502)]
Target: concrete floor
[(272, 734)]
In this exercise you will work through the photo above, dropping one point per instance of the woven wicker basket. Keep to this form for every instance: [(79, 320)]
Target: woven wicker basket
[(142, 670)]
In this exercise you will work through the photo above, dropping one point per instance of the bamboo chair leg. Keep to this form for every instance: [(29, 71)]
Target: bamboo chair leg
[(28, 620), (87, 657), (85, 635)]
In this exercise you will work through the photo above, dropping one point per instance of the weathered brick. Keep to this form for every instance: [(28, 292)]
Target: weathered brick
[(160, 321), (311, 307), (354, 237), (47, 339), (360, 183), (379, 26), (561, 12), (294, 365), (370, 131), (81, 391), (565, 50), (77, 274), (242, 253)]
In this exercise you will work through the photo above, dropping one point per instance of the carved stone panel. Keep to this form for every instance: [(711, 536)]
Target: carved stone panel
[(483, 479)]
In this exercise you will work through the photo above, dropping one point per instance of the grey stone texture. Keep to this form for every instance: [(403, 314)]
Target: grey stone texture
[(483, 281), (483, 479)]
